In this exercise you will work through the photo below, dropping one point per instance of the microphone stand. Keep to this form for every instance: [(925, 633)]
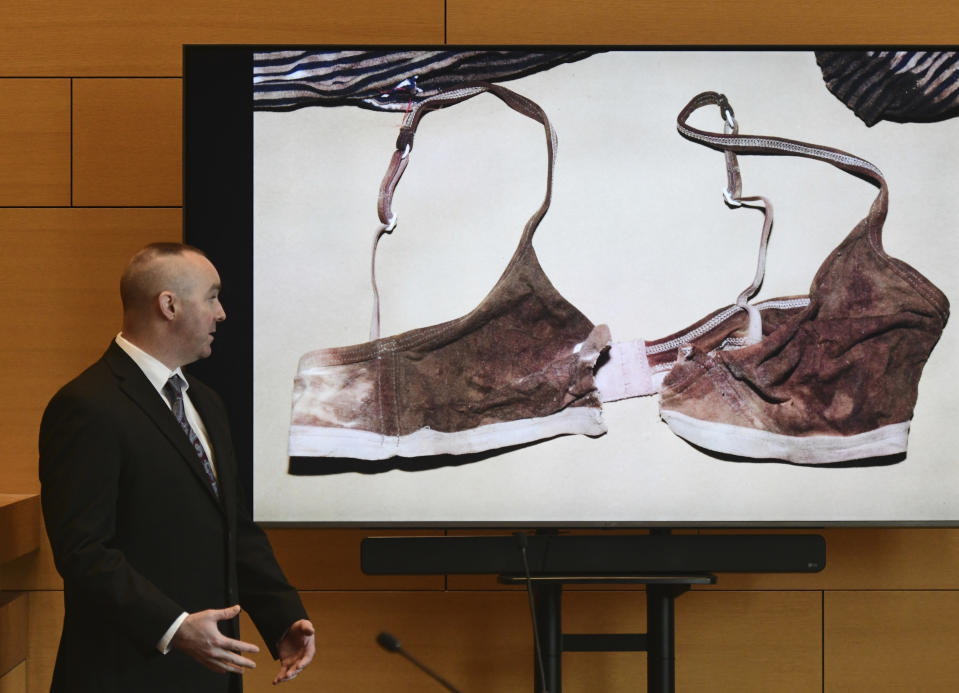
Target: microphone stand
[(521, 537), (391, 644)]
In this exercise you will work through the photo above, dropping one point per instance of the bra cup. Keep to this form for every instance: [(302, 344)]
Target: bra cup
[(846, 366), (834, 382), (521, 343)]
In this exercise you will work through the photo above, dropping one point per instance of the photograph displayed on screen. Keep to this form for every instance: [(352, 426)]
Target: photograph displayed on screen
[(603, 287)]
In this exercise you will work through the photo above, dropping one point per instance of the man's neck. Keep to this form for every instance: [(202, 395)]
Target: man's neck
[(151, 347)]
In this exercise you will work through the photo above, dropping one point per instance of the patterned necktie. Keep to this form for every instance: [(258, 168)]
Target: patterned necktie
[(174, 393)]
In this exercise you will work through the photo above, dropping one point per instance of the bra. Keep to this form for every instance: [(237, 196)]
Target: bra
[(823, 378), (831, 377), (516, 369)]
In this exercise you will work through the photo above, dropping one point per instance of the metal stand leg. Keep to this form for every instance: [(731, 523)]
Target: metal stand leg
[(658, 640), (661, 635), (549, 620)]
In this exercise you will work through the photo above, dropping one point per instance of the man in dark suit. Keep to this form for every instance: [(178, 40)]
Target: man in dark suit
[(140, 499)]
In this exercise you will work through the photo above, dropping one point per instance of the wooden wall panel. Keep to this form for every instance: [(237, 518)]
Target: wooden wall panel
[(773, 635), (313, 559), (749, 641), (34, 142), (731, 641), (127, 142), (111, 38), (15, 681), (878, 642), (13, 630), (892, 559), (477, 641), (652, 22), (59, 276), (603, 612)]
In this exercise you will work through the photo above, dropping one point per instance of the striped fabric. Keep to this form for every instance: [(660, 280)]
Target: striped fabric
[(902, 86), (384, 80)]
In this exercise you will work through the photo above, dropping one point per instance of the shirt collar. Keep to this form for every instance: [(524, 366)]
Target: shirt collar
[(154, 369)]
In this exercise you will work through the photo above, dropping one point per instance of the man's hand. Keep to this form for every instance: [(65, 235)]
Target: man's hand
[(296, 650), (199, 637)]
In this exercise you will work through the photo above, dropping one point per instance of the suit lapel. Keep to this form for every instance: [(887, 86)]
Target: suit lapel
[(138, 388), (218, 433)]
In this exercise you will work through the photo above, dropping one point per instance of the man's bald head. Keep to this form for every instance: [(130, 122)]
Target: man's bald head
[(151, 271), (171, 303)]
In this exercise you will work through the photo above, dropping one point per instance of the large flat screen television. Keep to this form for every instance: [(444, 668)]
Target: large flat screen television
[(793, 372)]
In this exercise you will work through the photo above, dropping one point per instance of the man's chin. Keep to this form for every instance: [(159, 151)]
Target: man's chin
[(199, 356)]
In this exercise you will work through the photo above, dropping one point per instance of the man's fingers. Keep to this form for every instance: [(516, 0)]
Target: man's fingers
[(225, 661), (233, 658), (226, 668), (220, 666), (199, 637), (292, 669), (238, 646), (227, 613), (286, 675), (304, 627)]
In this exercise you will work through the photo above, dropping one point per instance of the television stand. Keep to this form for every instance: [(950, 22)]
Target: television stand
[(668, 564), (658, 641)]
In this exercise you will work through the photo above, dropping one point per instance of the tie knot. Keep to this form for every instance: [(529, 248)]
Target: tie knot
[(174, 387)]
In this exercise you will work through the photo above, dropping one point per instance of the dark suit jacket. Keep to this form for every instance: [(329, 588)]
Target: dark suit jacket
[(139, 537)]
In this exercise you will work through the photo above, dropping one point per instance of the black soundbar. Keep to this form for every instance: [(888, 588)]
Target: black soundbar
[(572, 554)]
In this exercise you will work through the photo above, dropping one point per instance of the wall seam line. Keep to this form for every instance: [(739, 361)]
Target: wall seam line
[(71, 141)]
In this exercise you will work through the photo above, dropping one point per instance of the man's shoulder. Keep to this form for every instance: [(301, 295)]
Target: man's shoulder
[(98, 382), (105, 376), (96, 376)]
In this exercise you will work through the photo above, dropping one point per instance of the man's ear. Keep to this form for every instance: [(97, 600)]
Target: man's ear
[(168, 304)]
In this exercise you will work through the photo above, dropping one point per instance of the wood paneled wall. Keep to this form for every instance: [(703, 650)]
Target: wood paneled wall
[(90, 154)]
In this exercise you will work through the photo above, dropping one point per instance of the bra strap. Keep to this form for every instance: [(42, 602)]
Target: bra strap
[(401, 157), (734, 143), (731, 143)]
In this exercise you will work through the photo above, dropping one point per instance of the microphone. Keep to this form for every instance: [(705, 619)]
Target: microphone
[(389, 643)]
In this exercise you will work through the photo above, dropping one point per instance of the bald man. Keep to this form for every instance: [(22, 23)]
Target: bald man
[(139, 495)]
